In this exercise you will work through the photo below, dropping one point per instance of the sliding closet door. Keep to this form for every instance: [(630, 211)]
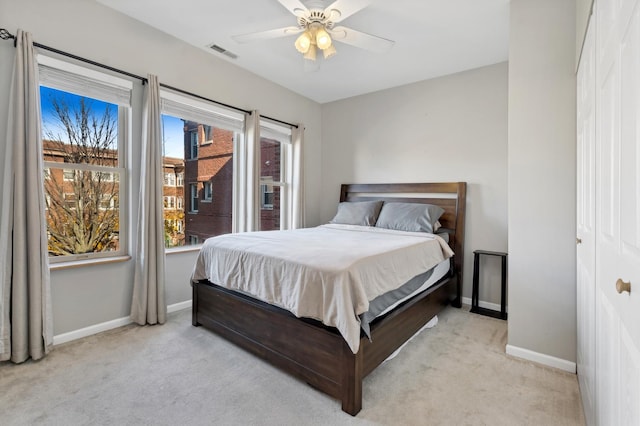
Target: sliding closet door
[(618, 212), (585, 248)]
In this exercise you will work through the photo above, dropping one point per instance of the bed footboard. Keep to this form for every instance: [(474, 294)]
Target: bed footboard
[(303, 348), (306, 348)]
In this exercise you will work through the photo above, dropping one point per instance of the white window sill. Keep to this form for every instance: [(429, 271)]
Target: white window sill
[(88, 262), (184, 249)]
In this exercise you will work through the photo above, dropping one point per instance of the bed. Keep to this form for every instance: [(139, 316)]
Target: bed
[(320, 354)]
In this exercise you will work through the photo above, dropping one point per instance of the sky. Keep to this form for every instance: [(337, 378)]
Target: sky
[(171, 126), (173, 135)]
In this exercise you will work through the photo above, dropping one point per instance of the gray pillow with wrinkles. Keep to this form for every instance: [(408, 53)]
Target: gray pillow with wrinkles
[(411, 217), (363, 213)]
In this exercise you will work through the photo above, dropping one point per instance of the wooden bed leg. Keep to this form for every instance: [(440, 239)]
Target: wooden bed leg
[(194, 305), (351, 380), (457, 302)]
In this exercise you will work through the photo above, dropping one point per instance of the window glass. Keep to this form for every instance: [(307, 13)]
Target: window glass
[(207, 169), (208, 191), (193, 189), (193, 144), (82, 154), (208, 133), (275, 150)]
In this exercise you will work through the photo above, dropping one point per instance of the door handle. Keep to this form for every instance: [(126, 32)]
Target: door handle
[(621, 286)]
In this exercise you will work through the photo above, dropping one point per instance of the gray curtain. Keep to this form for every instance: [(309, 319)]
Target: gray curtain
[(148, 304), (26, 327)]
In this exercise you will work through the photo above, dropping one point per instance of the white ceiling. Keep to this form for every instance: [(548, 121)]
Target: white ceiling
[(432, 38)]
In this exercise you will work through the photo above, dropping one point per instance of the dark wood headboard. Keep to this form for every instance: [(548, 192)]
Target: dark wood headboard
[(451, 196)]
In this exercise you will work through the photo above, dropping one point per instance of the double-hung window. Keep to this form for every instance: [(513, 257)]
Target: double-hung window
[(208, 192), (85, 127), (193, 144), (200, 141), (275, 175), (193, 191)]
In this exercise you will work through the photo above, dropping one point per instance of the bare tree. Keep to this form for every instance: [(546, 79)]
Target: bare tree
[(82, 202)]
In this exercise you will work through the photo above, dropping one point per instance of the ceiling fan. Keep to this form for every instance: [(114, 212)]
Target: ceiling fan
[(317, 28)]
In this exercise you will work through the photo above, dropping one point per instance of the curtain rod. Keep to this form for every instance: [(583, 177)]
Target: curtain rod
[(6, 35), (246, 111)]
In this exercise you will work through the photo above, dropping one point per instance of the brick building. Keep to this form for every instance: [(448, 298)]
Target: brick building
[(173, 201), (208, 181), (82, 206)]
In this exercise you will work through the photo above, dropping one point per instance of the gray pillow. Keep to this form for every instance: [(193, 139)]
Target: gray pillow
[(412, 217), (357, 213)]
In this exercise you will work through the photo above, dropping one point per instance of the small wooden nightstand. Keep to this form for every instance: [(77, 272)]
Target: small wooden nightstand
[(502, 314)]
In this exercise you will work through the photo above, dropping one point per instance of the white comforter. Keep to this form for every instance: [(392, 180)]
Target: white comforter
[(329, 273)]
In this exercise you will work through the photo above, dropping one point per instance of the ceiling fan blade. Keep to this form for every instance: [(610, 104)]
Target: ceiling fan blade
[(295, 6), (265, 35), (342, 9), (360, 39)]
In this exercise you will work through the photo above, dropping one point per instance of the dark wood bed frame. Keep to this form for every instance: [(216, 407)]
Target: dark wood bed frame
[(316, 353)]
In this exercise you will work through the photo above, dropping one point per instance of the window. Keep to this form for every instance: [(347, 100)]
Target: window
[(85, 116), (199, 167), (108, 201), (69, 201), (193, 147), (193, 239), (169, 202), (103, 176), (69, 175), (266, 193), (275, 175), (208, 134), (208, 191), (169, 179), (193, 190)]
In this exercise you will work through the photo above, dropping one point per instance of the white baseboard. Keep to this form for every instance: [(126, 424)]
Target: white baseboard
[(543, 359), (483, 304), (179, 306), (109, 325), (92, 329)]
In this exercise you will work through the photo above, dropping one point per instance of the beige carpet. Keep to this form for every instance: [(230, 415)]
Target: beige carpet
[(175, 374)]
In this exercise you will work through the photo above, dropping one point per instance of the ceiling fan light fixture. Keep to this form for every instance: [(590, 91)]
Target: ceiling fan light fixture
[(303, 43), (329, 51), (323, 40), (310, 54)]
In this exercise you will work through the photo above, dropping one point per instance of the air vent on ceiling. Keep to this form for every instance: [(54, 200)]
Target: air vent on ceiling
[(222, 50)]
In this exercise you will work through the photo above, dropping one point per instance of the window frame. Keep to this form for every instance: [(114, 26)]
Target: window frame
[(193, 197), (281, 134), (207, 192), (193, 145), (207, 131), (266, 183), (67, 77), (204, 113)]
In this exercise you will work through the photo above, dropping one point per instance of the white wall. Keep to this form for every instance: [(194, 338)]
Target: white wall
[(542, 170), (94, 294), (452, 128)]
